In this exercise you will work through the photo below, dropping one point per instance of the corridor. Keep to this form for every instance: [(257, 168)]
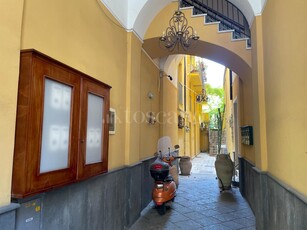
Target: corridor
[(200, 205)]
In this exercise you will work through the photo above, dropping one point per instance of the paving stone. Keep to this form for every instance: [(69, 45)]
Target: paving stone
[(233, 225), (200, 205), (216, 227), (208, 221), (188, 224), (211, 212)]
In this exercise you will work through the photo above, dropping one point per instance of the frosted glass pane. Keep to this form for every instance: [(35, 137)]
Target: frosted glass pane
[(94, 139), (56, 126)]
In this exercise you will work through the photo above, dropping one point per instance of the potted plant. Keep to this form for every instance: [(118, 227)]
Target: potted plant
[(223, 163)]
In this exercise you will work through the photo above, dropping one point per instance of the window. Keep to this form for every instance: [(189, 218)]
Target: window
[(61, 133), (94, 131)]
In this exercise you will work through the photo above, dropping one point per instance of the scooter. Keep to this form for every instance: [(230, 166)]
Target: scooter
[(164, 189)]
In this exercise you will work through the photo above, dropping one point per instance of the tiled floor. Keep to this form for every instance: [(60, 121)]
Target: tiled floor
[(200, 205)]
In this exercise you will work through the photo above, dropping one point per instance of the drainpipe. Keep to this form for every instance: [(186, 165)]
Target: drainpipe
[(184, 99), (230, 81), (185, 83)]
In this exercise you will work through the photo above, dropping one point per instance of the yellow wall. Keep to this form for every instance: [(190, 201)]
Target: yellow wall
[(10, 32), (244, 118), (84, 36), (208, 34), (284, 57), (194, 110), (230, 140), (180, 107), (168, 118), (71, 35), (246, 112), (149, 83), (237, 98), (133, 100), (189, 140), (260, 137)]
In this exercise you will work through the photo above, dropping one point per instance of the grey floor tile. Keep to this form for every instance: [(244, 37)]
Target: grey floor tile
[(246, 222), (208, 221), (249, 228), (225, 217), (194, 215), (188, 224), (202, 207), (233, 225), (216, 227)]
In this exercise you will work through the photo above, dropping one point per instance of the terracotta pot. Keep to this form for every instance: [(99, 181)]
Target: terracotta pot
[(185, 165), (174, 173)]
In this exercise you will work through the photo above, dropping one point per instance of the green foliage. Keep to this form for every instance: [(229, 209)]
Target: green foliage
[(215, 91), (215, 103)]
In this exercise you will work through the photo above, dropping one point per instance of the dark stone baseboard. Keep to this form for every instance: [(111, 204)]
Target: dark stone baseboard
[(109, 201), (7, 216), (275, 205)]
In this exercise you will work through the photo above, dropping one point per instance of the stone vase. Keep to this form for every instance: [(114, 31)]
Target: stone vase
[(174, 173), (185, 165), (224, 170)]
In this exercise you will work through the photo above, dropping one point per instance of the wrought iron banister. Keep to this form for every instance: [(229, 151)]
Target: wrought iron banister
[(229, 16)]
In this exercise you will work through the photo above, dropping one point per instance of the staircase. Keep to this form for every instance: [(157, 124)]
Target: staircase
[(227, 15)]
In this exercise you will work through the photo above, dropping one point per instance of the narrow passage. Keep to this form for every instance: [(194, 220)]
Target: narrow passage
[(200, 205)]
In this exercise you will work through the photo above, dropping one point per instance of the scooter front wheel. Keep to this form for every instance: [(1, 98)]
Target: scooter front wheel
[(161, 209)]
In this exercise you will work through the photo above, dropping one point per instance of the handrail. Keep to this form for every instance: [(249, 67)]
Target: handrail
[(229, 16)]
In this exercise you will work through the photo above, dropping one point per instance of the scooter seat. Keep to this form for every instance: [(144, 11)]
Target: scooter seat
[(169, 178)]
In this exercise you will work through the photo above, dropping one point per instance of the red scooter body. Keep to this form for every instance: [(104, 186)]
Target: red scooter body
[(163, 192), (164, 189)]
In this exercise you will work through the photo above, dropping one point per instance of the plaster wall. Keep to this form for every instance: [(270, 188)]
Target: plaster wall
[(70, 35), (149, 134), (284, 56), (10, 32), (243, 98), (260, 135), (168, 107), (246, 114), (137, 14), (228, 113), (208, 33), (133, 100)]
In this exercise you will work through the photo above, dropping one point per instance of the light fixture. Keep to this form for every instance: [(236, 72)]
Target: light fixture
[(200, 98), (179, 33), (151, 118)]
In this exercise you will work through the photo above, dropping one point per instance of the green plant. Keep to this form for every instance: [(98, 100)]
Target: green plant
[(220, 119), (215, 102)]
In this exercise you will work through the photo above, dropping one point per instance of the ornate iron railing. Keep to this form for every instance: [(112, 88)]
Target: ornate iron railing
[(229, 16)]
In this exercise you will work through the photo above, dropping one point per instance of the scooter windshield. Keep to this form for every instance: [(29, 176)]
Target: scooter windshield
[(164, 145)]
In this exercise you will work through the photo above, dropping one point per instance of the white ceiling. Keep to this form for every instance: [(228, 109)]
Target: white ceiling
[(137, 15)]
